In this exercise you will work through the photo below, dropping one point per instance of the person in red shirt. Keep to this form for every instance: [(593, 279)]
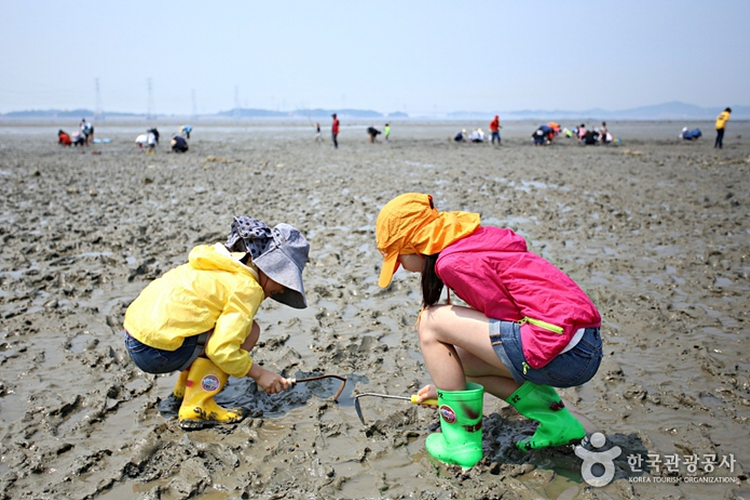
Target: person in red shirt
[(335, 131), (495, 130), (63, 138)]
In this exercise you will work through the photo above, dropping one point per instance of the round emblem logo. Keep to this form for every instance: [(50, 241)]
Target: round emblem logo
[(210, 383), (447, 414)]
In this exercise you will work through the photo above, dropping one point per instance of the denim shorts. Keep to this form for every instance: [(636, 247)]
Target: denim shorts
[(152, 360), (572, 368)]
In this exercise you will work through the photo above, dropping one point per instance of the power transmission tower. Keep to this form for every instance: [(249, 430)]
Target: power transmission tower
[(98, 113), (150, 112)]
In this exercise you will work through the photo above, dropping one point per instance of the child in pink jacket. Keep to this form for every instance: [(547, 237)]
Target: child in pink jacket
[(529, 327)]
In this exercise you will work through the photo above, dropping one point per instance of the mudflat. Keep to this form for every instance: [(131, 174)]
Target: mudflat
[(654, 229)]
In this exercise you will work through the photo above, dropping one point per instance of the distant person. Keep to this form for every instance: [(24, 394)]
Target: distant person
[(721, 123), (604, 134), (554, 130), (318, 138), (476, 136), (141, 140), (461, 136), (590, 138), (542, 135), (152, 139), (87, 129), (373, 133), (179, 144), (335, 131), (581, 132), (78, 139), (495, 130), (539, 138), (155, 132), (185, 130), (63, 138), (387, 132), (690, 135)]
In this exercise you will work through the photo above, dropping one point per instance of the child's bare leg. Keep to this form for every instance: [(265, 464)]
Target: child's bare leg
[(496, 381), (455, 342)]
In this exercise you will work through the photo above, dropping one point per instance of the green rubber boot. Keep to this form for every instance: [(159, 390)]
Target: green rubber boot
[(460, 441), (557, 426)]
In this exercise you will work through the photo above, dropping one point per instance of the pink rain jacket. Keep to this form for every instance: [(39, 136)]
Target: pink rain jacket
[(493, 272)]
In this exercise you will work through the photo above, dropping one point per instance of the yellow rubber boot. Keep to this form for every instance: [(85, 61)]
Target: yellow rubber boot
[(199, 409), (179, 386)]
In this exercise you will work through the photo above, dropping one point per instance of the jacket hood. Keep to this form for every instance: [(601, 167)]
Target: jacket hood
[(218, 258), (488, 238)]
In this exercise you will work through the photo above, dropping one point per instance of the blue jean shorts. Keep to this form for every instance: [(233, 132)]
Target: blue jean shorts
[(572, 368), (152, 360)]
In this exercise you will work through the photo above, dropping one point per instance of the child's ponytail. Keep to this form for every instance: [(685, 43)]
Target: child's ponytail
[(432, 285)]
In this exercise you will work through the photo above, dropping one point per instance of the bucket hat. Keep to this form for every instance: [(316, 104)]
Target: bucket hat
[(283, 261), (410, 223)]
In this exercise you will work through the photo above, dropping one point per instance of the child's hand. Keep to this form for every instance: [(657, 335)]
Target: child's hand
[(271, 382), (427, 392)]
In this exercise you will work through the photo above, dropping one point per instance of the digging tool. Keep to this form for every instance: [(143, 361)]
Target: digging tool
[(295, 381), (412, 399)]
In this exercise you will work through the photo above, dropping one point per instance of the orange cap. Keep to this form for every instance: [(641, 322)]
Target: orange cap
[(410, 223)]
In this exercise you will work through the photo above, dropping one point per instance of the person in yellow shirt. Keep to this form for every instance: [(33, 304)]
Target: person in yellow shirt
[(721, 122), (198, 318)]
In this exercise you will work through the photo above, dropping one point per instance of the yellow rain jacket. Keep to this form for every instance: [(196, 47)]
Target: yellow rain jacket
[(722, 120), (213, 290)]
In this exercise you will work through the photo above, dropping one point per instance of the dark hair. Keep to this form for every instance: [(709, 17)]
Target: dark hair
[(728, 110), (246, 259), (432, 285)]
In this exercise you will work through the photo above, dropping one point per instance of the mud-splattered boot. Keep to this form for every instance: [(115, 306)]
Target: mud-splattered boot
[(557, 426), (460, 441), (199, 409)]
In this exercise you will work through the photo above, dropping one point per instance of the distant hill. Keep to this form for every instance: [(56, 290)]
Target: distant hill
[(341, 113), (56, 113), (667, 111), (300, 113), (251, 113)]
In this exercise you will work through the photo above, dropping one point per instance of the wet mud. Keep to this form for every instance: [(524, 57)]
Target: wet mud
[(656, 232)]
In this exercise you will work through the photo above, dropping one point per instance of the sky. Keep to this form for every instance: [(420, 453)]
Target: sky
[(417, 57)]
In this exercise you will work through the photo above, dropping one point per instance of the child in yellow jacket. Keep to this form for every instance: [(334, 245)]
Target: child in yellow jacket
[(198, 318), (721, 123)]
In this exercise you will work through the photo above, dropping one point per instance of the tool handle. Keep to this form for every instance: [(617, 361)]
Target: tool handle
[(426, 402)]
